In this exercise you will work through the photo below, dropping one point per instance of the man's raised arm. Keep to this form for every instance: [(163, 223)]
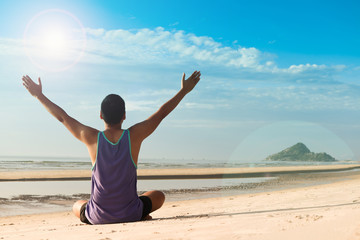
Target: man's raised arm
[(143, 129), (84, 133)]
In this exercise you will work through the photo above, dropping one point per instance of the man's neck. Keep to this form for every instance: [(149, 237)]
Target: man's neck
[(111, 128)]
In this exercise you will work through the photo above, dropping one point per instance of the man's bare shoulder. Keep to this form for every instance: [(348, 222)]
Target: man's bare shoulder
[(140, 131), (89, 135), (135, 129)]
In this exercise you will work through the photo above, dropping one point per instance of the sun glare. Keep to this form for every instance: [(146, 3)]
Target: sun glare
[(54, 40)]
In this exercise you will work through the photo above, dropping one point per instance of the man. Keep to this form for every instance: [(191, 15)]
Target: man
[(114, 156)]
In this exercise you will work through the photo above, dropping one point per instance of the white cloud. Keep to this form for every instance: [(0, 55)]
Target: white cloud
[(174, 48), (154, 93), (95, 32), (340, 67), (301, 98), (305, 67), (146, 45), (12, 47), (356, 68), (272, 42), (141, 105), (207, 106), (167, 47), (213, 123), (174, 24)]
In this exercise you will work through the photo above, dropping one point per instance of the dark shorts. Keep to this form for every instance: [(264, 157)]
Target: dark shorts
[(146, 209), (147, 206), (82, 214)]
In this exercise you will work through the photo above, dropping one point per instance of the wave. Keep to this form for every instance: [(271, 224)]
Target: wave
[(19, 163)]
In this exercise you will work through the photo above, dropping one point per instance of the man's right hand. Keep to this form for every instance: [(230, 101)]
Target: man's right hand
[(33, 88), (188, 84)]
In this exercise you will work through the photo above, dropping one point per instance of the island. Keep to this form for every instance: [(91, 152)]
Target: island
[(299, 152)]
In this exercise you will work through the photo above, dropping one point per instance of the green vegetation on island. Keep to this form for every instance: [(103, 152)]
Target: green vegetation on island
[(299, 152)]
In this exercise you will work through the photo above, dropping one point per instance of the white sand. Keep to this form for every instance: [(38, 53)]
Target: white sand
[(330, 211)]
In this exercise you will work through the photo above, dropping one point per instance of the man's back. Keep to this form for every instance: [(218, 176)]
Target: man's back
[(113, 192)]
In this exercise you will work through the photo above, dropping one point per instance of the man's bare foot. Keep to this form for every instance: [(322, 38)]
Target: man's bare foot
[(148, 217)]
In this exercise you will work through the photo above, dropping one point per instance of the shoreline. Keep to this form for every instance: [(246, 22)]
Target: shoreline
[(327, 211), (39, 200), (181, 173)]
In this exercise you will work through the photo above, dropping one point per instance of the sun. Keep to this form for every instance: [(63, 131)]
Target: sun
[(54, 40)]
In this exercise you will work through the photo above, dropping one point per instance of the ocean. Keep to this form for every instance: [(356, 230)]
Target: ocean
[(29, 163)]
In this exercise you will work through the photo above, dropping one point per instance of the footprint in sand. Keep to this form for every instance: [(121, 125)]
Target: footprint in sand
[(309, 217), (317, 217)]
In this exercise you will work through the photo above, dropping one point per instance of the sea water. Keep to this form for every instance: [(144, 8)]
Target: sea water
[(29, 163)]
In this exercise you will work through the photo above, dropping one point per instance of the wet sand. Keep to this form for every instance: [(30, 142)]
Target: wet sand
[(190, 173)]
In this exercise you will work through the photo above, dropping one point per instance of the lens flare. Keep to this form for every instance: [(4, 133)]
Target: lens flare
[(277, 136), (54, 40)]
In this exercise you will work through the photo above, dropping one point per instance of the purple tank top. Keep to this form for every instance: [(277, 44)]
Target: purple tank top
[(114, 195)]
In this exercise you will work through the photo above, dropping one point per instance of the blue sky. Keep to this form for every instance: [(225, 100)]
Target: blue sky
[(273, 73)]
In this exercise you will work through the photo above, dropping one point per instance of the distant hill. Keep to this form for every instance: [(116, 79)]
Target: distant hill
[(299, 152)]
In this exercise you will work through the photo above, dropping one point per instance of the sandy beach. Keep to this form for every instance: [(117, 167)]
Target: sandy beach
[(326, 211)]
